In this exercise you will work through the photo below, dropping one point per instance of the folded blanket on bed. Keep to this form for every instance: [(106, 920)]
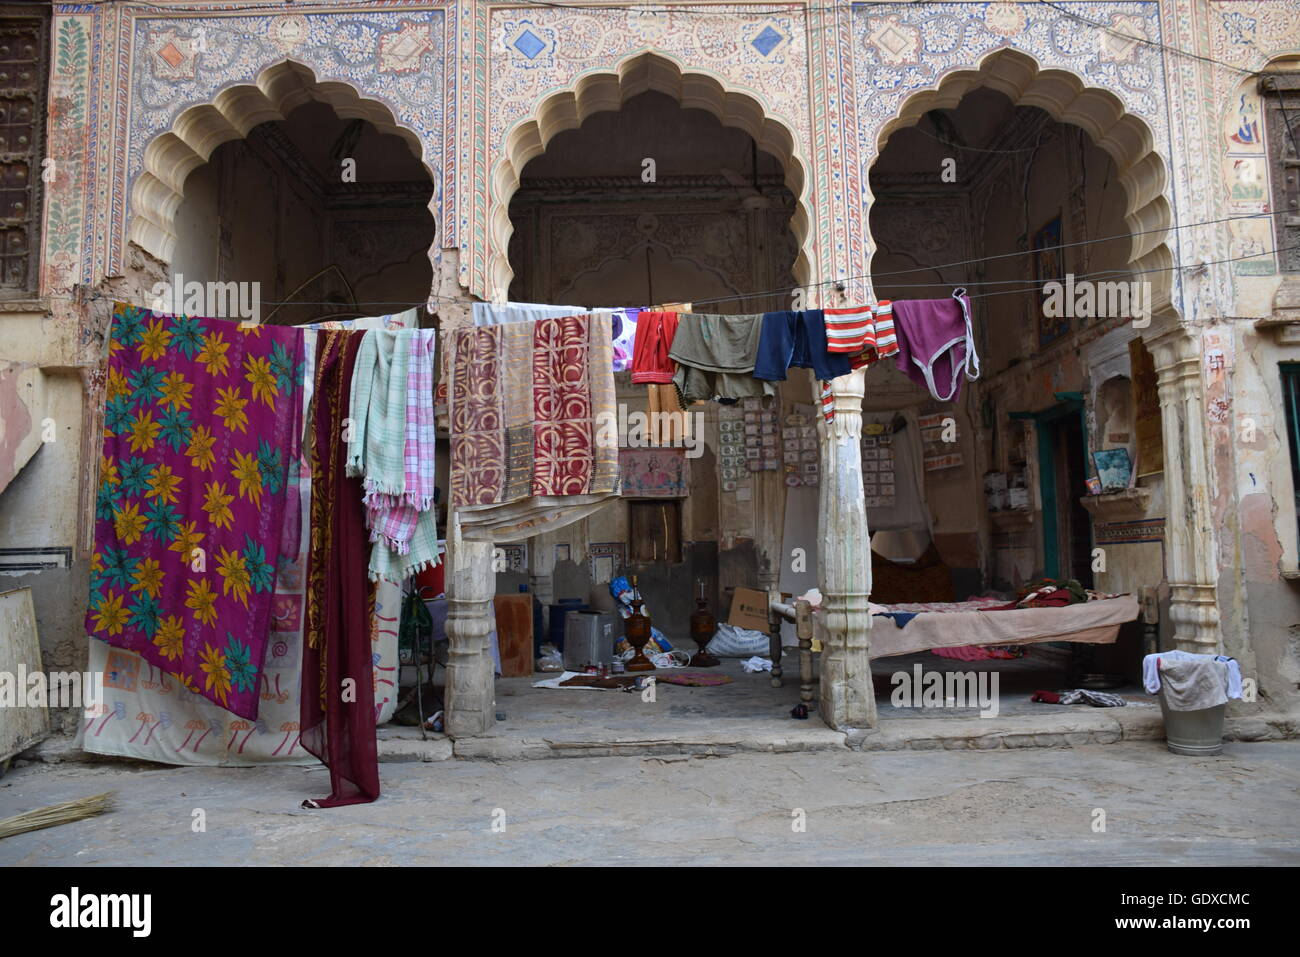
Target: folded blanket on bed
[(1088, 621)]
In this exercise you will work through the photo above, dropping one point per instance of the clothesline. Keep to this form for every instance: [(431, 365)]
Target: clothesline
[(1029, 285), (683, 356)]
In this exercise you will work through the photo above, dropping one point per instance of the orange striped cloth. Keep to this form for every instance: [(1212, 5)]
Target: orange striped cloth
[(865, 332)]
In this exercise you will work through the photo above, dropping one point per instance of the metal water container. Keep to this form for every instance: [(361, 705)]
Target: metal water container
[(1196, 734), (589, 638)]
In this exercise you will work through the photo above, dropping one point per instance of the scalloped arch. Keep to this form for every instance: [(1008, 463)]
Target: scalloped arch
[(278, 90), (1101, 114), (608, 90)]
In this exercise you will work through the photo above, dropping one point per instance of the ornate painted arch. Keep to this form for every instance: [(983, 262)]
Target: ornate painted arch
[(601, 90), (279, 89), (1102, 115)]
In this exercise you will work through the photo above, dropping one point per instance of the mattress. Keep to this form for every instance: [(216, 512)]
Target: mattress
[(964, 623)]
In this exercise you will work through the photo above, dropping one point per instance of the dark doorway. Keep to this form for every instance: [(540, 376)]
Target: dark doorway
[(1073, 523)]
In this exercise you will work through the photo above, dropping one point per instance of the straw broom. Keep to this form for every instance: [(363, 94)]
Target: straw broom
[(55, 814)]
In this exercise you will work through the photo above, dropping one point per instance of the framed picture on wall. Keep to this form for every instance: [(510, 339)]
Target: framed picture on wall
[(1114, 468), (1049, 264)]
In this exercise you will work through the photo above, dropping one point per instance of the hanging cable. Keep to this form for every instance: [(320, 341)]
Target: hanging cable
[(1025, 286)]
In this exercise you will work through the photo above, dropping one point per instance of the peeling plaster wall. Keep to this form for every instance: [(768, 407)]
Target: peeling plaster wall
[(1259, 502)]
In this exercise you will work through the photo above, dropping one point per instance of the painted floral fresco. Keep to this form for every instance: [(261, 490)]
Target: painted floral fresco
[(202, 417)]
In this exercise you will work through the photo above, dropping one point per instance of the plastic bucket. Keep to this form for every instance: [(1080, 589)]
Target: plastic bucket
[(1193, 733)]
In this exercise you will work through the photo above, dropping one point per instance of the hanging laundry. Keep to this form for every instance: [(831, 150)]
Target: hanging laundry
[(338, 728), (651, 360), (624, 336), (622, 320), (936, 344), (892, 472), (495, 314), (669, 422), (796, 340), (391, 446), (145, 715), (715, 357), (528, 406), (201, 421), (864, 333)]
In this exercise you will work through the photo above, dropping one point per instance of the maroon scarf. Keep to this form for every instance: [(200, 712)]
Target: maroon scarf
[(338, 713)]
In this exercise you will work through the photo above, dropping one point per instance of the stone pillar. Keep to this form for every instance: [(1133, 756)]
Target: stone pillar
[(470, 704), (471, 580), (1189, 532), (847, 698)]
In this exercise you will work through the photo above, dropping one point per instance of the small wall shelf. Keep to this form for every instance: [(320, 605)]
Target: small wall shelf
[(1012, 520), (1126, 504)]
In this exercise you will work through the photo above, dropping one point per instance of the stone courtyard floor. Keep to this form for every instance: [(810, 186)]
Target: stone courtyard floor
[(1029, 806)]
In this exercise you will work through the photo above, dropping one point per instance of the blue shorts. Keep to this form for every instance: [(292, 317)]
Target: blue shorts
[(796, 340)]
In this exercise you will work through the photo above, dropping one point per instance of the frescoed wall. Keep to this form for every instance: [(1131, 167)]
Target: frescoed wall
[(140, 96)]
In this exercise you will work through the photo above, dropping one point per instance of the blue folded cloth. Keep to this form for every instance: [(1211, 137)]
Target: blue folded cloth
[(901, 618)]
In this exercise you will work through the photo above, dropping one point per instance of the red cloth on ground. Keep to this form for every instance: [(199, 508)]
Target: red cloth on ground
[(338, 693), (654, 338)]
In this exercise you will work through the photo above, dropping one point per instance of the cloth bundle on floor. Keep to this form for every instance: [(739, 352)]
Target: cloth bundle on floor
[(1097, 699), (201, 421)]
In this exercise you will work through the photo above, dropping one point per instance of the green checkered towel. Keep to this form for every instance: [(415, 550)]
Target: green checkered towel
[(377, 407)]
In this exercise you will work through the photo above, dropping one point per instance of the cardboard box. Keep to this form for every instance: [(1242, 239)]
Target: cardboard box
[(749, 609)]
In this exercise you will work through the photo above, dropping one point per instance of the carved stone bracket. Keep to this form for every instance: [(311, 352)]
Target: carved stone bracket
[(1284, 323)]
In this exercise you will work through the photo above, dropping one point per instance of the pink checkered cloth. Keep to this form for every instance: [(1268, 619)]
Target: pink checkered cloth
[(420, 430)]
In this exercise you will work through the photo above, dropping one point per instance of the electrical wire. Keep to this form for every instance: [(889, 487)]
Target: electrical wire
[(872, 278), (1024, 286)]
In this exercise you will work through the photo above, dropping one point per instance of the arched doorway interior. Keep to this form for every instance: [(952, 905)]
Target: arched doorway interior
[(1003, 198)]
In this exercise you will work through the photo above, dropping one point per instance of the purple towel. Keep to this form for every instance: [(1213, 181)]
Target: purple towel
[(935, 343)]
